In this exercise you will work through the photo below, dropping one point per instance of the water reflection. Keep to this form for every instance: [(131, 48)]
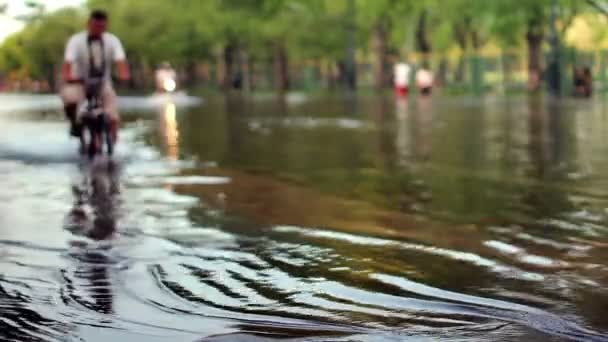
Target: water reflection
[(550, 157), (423, 121), (414, 130), (403, 130), (19, 312), (169, 130), (539, 141), (446, 218), (93, 216), (236, 128), (508, 127)]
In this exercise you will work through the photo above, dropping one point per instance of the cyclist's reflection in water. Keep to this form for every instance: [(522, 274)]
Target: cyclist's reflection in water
[(94, 216)]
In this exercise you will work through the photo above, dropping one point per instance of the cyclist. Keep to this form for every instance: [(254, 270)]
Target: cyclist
[(89, 56)]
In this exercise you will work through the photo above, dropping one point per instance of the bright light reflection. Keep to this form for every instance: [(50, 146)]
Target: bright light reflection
[(171, 132)]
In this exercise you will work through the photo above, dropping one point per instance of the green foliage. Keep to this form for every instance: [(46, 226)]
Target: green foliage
[(530, 16), (37, 48), (189, 31)]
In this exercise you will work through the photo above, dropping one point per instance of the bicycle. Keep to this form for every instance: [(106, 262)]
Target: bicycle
[(96, 122)]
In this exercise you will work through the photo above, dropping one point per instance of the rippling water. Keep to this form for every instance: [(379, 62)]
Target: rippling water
[(323, 219)]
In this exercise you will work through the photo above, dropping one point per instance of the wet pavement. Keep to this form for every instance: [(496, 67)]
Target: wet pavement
[(310, 219)]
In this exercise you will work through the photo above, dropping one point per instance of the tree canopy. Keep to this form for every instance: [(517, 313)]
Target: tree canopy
[(275, 32)]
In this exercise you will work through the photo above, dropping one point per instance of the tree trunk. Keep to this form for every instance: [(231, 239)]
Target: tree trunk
[(553, 73), (460, 69), (442, 72), (252, 72), (327, 75), (138, 73), (191, 73), (203, 72), (534, 39), (229, 70), (319, 75), (51, 76), (422, 41), (346, 75), (220, 70), (379, 46), (350, 62), (477, 40), (461, 30), (281, 68)]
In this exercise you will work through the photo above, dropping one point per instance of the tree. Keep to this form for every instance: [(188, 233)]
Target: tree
[(381, 20), (280, 35), (530, 19), (38, 49)]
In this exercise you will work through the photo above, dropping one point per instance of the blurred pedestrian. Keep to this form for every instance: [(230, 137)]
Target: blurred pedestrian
[(583, 81), (166, 78), (401, 78), (424, 81)]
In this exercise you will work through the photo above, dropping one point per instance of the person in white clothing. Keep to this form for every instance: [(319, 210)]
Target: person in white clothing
[(425, 80), (166, 78), (88, 60), (401, 78)]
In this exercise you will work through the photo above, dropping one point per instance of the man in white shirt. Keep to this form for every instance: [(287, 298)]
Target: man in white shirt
[(89, 56)]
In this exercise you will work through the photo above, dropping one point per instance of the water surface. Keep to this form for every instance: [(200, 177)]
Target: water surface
[(330, 219)]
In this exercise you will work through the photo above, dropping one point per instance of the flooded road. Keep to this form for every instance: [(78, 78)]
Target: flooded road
[(321, 219)]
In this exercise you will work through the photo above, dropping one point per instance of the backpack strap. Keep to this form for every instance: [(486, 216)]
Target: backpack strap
[(93, 71)]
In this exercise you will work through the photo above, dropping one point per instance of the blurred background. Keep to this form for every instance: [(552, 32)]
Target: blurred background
[(470, 45), (312, 170)]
